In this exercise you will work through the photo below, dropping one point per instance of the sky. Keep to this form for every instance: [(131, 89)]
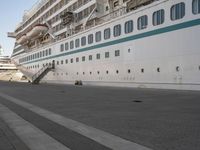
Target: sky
[(11, 13)]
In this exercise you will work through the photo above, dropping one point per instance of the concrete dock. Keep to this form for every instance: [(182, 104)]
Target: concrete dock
[(67, 117)]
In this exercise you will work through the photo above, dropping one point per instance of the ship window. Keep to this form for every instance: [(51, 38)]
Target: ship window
[(98, 36), (129, 70), (158, 17), (98, 56), (107, 72), (83, 41), (77, 59), (50, 51), (106, 54), (47, 52), (196, 7), (57, 62), (177, 68), (90, 57), (98, 72), (83, 58), (40, 54), (61, 62), (66, 61), (117, 53), (90, 39), (142, 22), (117, 71), (129, 26), (71, 60), (66, 46), (178, 11), (158, 69), (61, 48), (142, 70), (117, 30), (77, 43), (107, 33), (71, 44)]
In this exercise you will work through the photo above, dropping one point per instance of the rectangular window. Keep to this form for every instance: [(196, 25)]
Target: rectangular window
[(77, 43), (117, 53), (90, 57), (196, 7), (178, 11), (142, 22), (61, 62), (106, 54), (98, 36), (98, 56), (50, 51), (129, 26), (83, 41), (71, 60), (77, 59), (47, 52), (90, 39), (66, 61), (158, 17), (107, 33), (117, 30), (61, 47), (83, 58), (66, 46), (71, 44)]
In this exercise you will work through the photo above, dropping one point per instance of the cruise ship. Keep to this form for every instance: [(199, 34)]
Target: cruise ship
[(127, 43)]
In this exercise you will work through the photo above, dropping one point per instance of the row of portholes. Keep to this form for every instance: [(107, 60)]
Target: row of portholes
[(117, 71)]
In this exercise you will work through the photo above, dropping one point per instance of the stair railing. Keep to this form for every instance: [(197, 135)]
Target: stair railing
[(36, 75)]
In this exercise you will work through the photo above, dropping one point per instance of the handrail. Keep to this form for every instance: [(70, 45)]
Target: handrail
[(36, 75)]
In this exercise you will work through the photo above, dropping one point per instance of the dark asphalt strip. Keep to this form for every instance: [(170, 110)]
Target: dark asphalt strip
[(69, 138)]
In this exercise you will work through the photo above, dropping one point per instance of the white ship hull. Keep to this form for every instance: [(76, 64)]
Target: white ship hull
[(166, 56)]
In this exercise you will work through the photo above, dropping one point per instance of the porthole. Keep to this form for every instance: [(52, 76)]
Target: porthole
[(177, 68)]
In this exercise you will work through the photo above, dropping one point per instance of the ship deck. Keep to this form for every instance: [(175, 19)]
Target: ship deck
[(77, 117)]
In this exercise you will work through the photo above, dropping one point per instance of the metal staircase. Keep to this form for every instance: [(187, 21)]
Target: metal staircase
[(41, 73)]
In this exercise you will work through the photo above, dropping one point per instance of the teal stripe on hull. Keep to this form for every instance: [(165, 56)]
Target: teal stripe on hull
[(126, 39)]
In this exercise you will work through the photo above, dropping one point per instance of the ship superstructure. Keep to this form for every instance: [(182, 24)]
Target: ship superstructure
[(137, 43)]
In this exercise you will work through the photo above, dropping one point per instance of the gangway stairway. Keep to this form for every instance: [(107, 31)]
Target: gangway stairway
[(41, 73)]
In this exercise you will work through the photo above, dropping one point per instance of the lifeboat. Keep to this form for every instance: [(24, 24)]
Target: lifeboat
[(22, 39), (37, 30)]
